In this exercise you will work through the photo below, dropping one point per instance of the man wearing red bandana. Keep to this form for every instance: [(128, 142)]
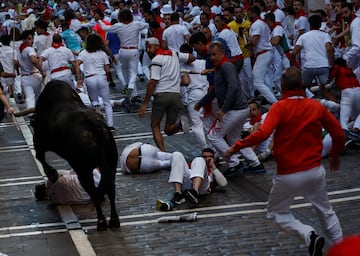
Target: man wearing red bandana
[(297, 125), (59, 59), (31, 72), (233, 109), (262, 50), (164, 86)]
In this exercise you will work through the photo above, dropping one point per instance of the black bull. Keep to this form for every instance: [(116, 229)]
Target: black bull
[(64, 125)]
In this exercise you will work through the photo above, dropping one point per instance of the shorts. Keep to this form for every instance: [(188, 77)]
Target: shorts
[(321, 74), (168, 103)]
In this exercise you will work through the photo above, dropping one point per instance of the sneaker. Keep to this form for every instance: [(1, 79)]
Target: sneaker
[(234, 170), (184, 124), (255, 169), (126, 91), (178, 198), (111, 128), (112, 84), (192, 195), (126, 104), (316, 244), (142, 78), (137, 99), (264, 155), (164, 205), (19, 98)]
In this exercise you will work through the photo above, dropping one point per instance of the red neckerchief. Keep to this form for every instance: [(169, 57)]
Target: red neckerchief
[(224, 27), (274, 25), (46, 33), (291, 93), (126, 22), (57, 45), (275, 8), (23, 46), (352, 18), (255, 119), (299, 14), (203, 53), (163, 52), (221, 62)]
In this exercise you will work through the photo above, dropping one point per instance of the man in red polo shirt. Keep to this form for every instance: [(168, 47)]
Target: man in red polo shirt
[(297, 122)]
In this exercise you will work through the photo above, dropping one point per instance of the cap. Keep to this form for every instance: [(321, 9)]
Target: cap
[(153, 40), (28, 11), (3, 5)]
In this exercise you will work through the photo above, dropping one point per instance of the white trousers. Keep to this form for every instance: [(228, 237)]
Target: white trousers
[(118, 70), (31, 87), (245, 76), (67, 78), (98, 86), (260, 70), (180, 172), (152, 159), (129, 60), (230, 127), (349, 106), (310, 184)]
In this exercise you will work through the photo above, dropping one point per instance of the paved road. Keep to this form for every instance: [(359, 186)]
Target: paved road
[(230, 222)]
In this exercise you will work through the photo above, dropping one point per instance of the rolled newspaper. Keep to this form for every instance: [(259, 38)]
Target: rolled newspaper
[(181, 218)]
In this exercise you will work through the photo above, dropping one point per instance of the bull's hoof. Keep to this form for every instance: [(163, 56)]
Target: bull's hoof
[(101, 225), (114, 222)]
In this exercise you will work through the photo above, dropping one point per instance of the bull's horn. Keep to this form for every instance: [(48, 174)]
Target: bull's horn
[(25, 112)]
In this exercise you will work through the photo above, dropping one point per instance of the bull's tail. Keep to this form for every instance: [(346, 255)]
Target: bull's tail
[(25, 112)]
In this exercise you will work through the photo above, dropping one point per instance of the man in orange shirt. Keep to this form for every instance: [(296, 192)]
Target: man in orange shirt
[(297, 122)]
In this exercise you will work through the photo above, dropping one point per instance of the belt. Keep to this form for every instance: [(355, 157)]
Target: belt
[(261, 52), (30, 73), (237, 57), (59, 69), (128, 47), (139, 163), (89, 75)]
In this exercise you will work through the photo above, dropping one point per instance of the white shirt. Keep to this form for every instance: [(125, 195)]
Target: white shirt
[(94, 62), (280, 17), (166, 70), (68, 190), (25, 62), (355, 32), (6, 58), (198, 83), (280, 31), (314, 50), (260, 28), (174, 35), (128, 33), (232, 42), (41, 43), (300, 23), (58, 57)]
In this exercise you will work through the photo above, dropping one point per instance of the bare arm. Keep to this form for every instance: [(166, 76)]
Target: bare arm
[(36, 63), (78, 73), (5, 101), (330, 53)]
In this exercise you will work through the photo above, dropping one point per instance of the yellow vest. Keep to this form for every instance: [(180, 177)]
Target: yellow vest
[(243, 36)]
